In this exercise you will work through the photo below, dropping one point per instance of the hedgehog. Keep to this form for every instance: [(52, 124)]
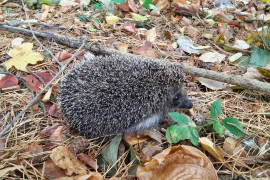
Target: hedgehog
[(119, 94)]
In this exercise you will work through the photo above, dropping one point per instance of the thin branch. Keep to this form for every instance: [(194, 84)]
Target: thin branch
[(34, 36), (251, 84), (32, 23), (41, 80), (36, 98), (254, 25)]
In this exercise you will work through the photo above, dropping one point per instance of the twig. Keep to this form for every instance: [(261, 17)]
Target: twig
[(41, 80), (236, 49), (24, 83), (27, 23), (254, 25), (47, 85), (251, 84), (34, 36)]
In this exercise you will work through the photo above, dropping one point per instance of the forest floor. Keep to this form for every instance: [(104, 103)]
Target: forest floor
[(220, 36)]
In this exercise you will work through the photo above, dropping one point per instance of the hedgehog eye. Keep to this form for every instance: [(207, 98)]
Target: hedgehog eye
[(175, 98)]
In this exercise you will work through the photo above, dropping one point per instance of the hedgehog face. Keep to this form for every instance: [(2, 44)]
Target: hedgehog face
[(177, 98)]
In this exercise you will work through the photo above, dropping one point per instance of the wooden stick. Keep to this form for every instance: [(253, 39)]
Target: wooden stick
[(251, 84)]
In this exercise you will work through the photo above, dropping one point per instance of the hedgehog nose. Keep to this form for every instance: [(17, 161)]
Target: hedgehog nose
[(188, 104)]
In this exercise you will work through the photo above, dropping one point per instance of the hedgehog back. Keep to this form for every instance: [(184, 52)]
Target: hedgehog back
[(107, 95)]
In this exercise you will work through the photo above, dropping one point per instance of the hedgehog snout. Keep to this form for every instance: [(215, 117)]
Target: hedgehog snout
[(185, 104)]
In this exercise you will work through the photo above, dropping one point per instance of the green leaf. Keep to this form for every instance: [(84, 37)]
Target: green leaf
[(234, 126), (259, 57), (82, 17), (215, 109), (218, 128), (110, 152), (179, 118), (98, 6), (92, 29), (194, 135), (118, 1), (174, 133), (95, 20), (146, 3), (243, 61)]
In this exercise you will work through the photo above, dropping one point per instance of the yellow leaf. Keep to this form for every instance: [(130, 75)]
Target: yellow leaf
[(21, 56), (65, 159), (112, 19), (214, 150), (47, 95)]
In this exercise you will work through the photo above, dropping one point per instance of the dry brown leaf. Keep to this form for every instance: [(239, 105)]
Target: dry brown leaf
[(45, 9), (163, 4), (151, 35), (54, 111), (64, 158), (89, 160), (21, 56), (50, 170), (214, 150), (192, 31), (178, 162), (132, 139), (34, 83), (233, 147), (8, 81), (57, 136), (62, 55), (145, 50)]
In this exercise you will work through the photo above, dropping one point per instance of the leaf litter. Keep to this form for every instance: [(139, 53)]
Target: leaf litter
[(42, 146)]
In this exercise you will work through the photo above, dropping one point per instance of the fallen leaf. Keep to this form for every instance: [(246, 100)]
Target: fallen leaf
[(129, 5), (110, 152), (63, 55), (185, 44), (57, 136), (145, 50), (178, 162), (241, 44), (67, 3), (89, 160), (214, 150), (47, 96), (33, 149), (129, 27), (192, 31), (21, 56), (151, 35), (51, 170), (235, 57), (45, 9), (150, 133), (79, 144), (78, 22), (138, 17), (212, 57), (49, 130), (112, 19), (162, 4), (64, 158), (16, 42), (34, 83), (4, 42), (233, 147), (54, 111), (212, 84), (8, 81)]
